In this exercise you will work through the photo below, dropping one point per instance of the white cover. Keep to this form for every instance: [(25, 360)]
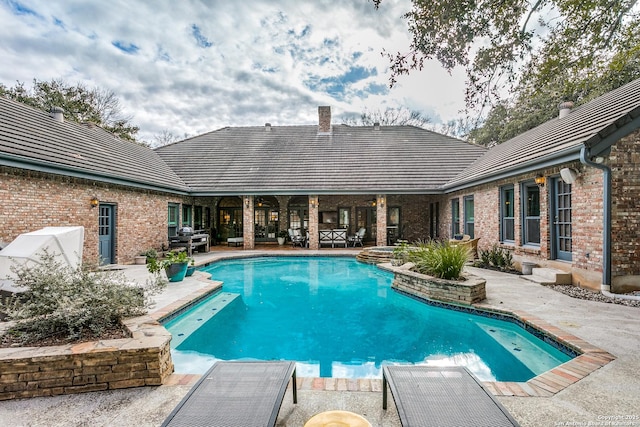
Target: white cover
[(65, 243)]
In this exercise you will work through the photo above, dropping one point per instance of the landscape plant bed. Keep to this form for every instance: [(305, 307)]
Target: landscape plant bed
[(143, 359), (468, 291)]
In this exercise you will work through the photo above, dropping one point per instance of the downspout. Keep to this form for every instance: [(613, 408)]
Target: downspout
[(605, 287)]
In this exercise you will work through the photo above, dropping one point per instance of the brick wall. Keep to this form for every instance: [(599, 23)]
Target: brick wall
[(625, 222), (31, 200), (143, 360)]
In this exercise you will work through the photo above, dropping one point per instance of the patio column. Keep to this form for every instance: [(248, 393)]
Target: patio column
[(247, 222), (314, 238), (381, 220)]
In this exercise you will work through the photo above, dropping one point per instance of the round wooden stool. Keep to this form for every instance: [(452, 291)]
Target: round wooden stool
[(337, 419)]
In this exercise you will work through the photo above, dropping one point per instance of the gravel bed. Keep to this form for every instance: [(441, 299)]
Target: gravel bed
[(576, 292)]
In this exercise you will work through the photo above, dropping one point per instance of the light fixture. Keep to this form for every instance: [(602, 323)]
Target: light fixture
[(313, 202), (373, 203), (569, 175), (246, 201), (540, 180), (260, 201), (94, 202), (381, 201)]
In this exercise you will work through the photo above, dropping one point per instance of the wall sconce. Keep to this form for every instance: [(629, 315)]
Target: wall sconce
[(373, 203), (381, 199), (540, 180), (313, 203), (246, 201), (94, 202)]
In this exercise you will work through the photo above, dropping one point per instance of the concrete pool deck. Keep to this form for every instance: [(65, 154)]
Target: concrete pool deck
[(608, 396)]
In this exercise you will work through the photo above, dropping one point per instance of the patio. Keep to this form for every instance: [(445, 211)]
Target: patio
[(610, 394)]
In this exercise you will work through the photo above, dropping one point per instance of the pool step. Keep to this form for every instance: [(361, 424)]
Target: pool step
[(548, 276), (181, 329)]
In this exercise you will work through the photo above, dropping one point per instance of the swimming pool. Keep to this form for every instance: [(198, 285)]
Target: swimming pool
[(340, 318)]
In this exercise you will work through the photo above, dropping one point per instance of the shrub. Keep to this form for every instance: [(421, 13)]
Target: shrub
[(72, 303), (496, 257), (439, 259), (156, 266)]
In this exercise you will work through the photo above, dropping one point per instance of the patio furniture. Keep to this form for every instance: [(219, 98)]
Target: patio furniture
[(358, 237), (469, 243), (297, 238), (243, 394), (337, 418), (235, 240), (333, 237), (442, 396)]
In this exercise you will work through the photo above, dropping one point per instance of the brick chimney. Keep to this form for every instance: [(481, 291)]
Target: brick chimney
[(324, 120)]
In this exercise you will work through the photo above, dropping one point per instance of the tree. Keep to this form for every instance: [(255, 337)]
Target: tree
[(165, 137), (99, 106), (535, 102), (389, 117), (503, 43)]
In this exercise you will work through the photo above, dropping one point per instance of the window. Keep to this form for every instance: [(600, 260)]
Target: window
[(531, 214), (173, 219), (434, 223), (343, 217), (507, 221), (468, 216), (197, 218), (455, 217), (186, 215)]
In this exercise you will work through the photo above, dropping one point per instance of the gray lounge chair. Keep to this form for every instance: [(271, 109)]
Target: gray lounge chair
[(243, 394), (442, 396)]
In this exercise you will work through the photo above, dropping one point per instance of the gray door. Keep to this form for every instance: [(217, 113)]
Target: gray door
[(562, 221), (106, 229)]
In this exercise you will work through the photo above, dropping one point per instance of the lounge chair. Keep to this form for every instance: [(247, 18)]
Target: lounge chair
[(242, 394), (442, 396), (357, 238)]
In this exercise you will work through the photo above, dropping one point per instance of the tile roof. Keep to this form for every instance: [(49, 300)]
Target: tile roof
[(297, 160), (32, 139), (558, 140)]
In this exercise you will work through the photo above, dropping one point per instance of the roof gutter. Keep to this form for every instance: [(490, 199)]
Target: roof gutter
[(569, 155), (21, 163)]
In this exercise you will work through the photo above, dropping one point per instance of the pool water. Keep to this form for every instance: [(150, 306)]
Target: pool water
[(340, 318)]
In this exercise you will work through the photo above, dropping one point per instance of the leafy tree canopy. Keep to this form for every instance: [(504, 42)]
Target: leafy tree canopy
[(80, 104), (503, 43), (401, 116)]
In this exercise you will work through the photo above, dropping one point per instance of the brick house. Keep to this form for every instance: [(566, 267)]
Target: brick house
[(393, 181)]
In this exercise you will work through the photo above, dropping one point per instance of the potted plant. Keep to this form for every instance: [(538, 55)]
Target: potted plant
[(192, 268), (144, 256), (282, 235), (175, 264)]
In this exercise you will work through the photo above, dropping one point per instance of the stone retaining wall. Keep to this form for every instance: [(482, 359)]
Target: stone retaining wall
[(142, 360), (469, 291)]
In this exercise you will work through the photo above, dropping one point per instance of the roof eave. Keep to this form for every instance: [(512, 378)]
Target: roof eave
[(571, 154), (55, 169)]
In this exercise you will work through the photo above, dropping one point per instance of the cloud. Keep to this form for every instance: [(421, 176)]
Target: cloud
[(193, 66)]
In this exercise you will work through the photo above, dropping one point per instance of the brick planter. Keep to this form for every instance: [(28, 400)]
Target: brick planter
[(142, 360), (469, 291)]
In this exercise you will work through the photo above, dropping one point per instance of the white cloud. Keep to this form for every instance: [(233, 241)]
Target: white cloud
[(195, 66)]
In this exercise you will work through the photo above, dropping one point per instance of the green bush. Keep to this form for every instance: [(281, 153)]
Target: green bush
[(439, 259), (72, 303), (496, 257)]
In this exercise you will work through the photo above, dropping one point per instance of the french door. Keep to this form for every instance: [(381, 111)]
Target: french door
[(562, 239), (366, 218)]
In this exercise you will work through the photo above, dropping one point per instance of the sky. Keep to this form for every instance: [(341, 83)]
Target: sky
[(188, 67)]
